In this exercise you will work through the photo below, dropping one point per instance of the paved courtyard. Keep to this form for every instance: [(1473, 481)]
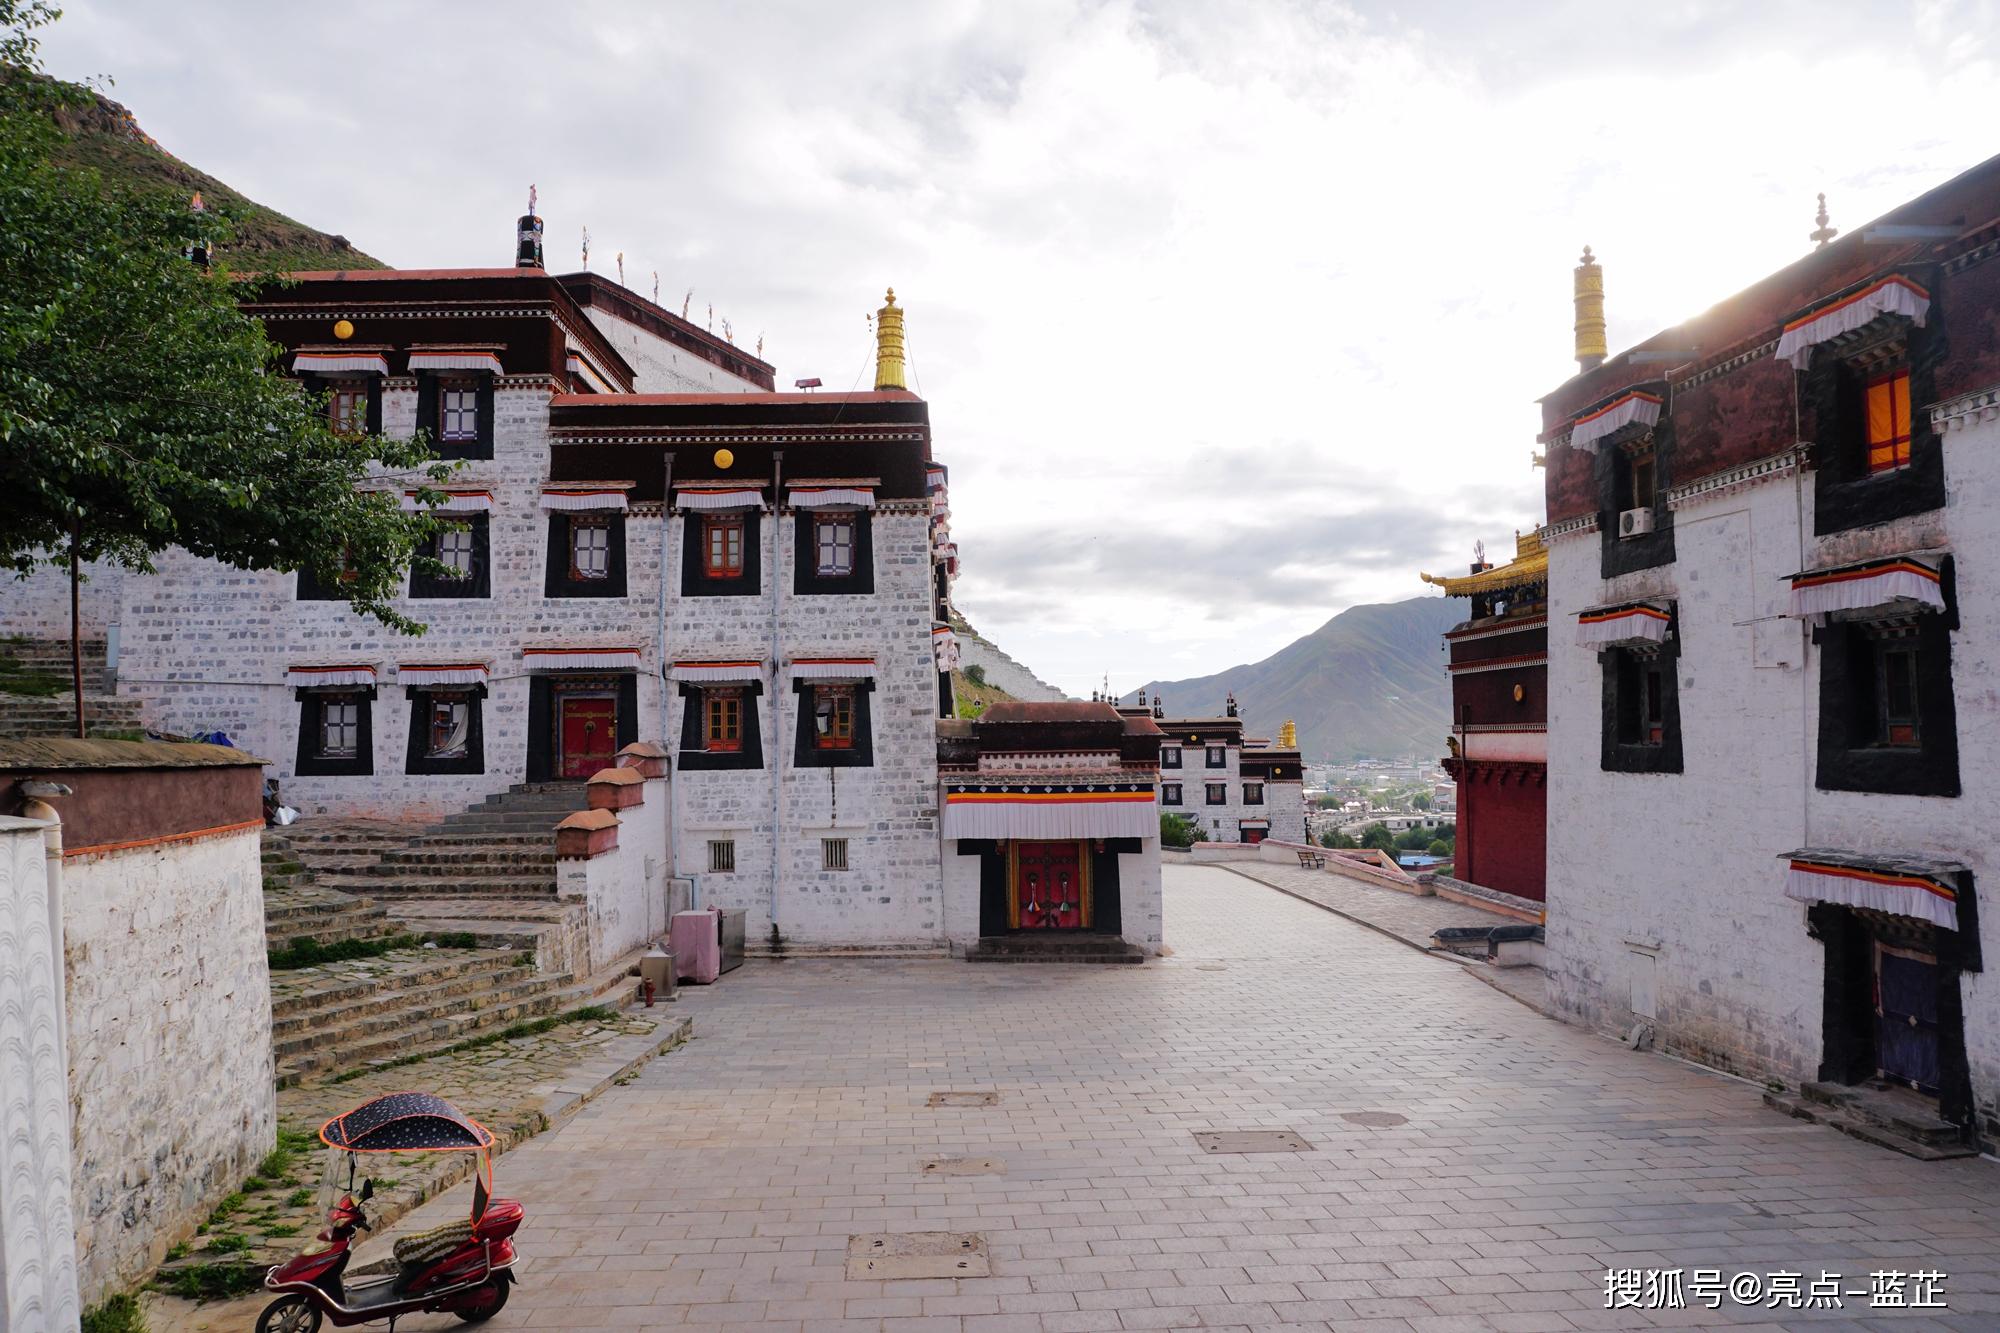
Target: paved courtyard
[(1474, 1166)]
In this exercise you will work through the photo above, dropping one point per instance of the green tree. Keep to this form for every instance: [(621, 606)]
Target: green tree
[(976, 674), (1438, 847), (1378, 838), (1421, 801), (1180, 831), (1337, 840), (141, 409)]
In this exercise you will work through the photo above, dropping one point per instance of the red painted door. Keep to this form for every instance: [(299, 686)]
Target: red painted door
[(588, 731), (1050, 891)]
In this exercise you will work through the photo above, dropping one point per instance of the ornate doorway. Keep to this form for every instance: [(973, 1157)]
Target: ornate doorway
[(586, 734), (1048, 886)]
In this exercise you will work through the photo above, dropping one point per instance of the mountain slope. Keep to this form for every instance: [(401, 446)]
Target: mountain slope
[(1368, 683), (102, 134)]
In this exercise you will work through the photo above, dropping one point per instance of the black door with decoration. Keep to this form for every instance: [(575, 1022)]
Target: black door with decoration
[(1906, 1017)]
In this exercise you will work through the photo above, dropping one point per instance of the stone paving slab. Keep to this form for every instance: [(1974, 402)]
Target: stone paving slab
[(1510, 1161)]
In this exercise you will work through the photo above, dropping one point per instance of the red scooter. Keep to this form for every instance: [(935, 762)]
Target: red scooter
[(462, 1268)]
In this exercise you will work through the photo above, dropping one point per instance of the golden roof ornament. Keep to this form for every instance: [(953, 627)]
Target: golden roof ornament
[(1825, 233), (889, 345), (1591, 348), (1288, 735)]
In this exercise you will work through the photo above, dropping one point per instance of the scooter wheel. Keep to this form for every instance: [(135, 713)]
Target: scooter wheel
[(289, 1314), (485, 1300)]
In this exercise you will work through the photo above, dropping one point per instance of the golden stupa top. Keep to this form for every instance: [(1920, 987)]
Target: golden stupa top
[(1529, 565)]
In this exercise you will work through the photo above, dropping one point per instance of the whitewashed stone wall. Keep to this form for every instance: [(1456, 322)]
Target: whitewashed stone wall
[(659, 366), (889, 894), (38, 605), (1665, 891), (624, 890), (1141, 912), (1286, 802), (38, 1271), (1222, 823), (169, 1005), (207, 647)]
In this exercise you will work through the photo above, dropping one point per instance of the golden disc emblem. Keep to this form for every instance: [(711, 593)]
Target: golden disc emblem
[(343, 329), (1520, 693), (724, 458)]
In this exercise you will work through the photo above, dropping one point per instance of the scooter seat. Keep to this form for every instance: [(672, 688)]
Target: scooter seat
[(427, 1247)]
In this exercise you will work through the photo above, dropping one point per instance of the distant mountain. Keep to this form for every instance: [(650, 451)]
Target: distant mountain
[(1369, 683), (104, 135)]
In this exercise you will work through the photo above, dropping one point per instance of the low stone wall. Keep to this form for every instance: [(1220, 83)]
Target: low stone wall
[(612, 858), (167, 993), (1370, 867)]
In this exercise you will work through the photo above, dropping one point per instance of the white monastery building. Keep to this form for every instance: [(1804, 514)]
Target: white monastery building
[(1774, 617), (646, 543)]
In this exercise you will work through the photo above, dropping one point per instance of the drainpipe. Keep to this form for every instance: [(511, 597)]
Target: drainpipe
[(35, 805), (666, 690), (777, 705)]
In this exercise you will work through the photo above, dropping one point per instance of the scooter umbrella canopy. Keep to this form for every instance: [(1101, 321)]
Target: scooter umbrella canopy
[(405, 1122)]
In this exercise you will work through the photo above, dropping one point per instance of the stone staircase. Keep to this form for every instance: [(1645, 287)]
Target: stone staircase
[(1053, 947), (36, 698), (488, 872)]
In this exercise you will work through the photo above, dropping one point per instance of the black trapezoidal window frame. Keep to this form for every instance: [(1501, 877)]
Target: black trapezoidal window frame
[(417, 759), (556, 580), (695, 578), (751, 753), (1849, 760), (807, 581), (1623, 675), (1613, 476), (318, 386), (1846, 495), (806, 752), (480, 584), (481, 445), (309, 763)]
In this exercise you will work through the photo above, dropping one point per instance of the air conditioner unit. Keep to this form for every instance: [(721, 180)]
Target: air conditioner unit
[(1635, 523)]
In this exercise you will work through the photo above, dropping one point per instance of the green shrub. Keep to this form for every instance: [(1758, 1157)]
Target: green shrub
[(120, 1314), (454, 939), (1180, 831)]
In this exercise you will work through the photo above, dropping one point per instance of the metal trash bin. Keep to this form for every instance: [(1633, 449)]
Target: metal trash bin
[(656, 966), (731, 930)]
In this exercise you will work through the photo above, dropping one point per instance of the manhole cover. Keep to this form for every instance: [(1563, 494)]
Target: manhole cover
[(1251, 1140), (916, 1254), (1375, 1119), (965, 1099), (965, 1166), (1211, 967)]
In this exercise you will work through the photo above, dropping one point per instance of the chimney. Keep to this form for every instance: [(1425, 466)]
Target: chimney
[(528, 242), (889, 345), (1590, 346)]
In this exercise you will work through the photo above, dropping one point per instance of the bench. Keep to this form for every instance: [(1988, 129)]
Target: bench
[(1311, 861)]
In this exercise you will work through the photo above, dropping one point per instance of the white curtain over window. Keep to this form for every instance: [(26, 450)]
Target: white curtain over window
[(580, 659), (578, 500), (1635, 408), (1639, 622), (1894, 295), (456, 673), (713, 500), (718, 673), (832, 497), (449, 360), (833, 668), (353, 673), (1925, 890), (454, 502), (340, 363), (1863, 587)]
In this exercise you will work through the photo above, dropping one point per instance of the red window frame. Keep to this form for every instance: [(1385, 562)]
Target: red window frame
[(839, 733), (722, 721), (347, 406), (722, 557)]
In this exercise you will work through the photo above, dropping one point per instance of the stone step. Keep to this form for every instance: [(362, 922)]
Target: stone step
[(471, 863), (1893, 1121), (320, 988), (448, 841), (342, 1054), (394, 1011), (1054, 948), (390, 890)]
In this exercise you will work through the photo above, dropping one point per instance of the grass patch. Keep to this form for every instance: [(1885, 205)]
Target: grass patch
[(595, 1013), (120, 1314), (298, 1198), (304, 951), (18, 679), (214, 1282), (231, 1242), (229, 1205), (454, 939), (279, 1233)]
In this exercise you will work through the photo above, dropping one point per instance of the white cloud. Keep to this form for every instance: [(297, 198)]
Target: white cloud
[(1285, 276)]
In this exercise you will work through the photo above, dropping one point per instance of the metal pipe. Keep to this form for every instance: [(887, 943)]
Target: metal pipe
[(666, 693), (775, 745)]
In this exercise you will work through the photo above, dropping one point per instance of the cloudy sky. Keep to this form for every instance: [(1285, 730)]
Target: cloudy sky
[(1231, 314)]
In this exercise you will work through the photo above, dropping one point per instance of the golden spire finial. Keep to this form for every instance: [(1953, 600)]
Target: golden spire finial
[(1825, 233), (889, 345), (1591, 348), (1288, 735)]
